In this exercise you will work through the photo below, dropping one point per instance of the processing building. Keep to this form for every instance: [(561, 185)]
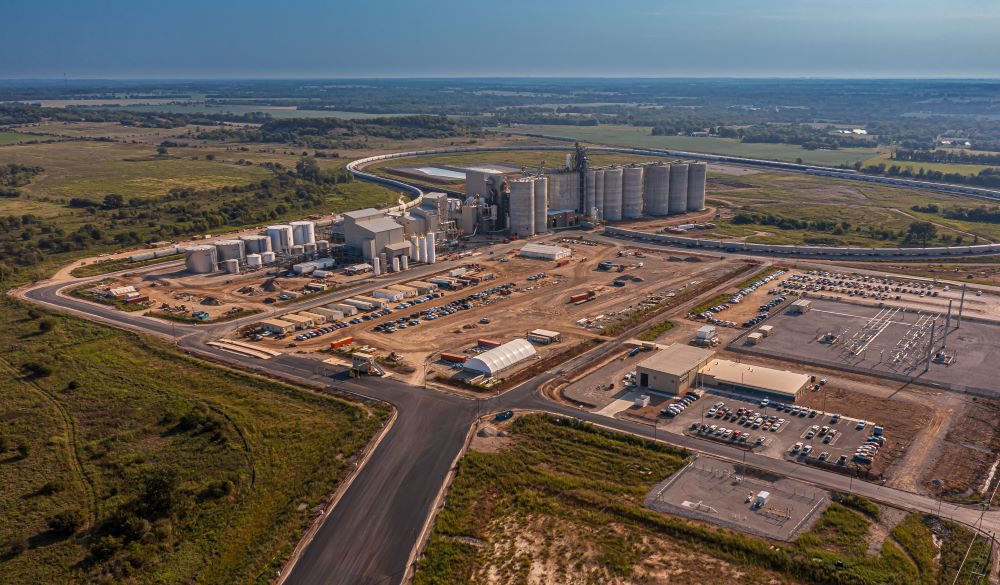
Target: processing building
[(678, 368)]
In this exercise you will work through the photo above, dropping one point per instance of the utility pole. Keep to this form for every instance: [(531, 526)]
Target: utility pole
[(930, 347), (961, 305)]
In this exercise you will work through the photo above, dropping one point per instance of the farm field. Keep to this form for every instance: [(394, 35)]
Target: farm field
[(560, 502), (206, 474), (273, 111), (965, 169), (11, 138), (640, 137)]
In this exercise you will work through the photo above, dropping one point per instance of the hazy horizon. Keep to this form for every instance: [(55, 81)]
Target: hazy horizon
[(312, 39)]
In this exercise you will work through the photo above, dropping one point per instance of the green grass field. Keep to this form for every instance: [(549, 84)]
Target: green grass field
[(640, 137), (275, 112), (963, 169), (250, 459), (10, 138)]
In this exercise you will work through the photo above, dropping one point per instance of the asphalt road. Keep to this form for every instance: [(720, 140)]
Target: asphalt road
[(369, 535)]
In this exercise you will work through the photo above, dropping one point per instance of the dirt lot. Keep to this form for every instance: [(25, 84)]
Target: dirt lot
[(964, 467)]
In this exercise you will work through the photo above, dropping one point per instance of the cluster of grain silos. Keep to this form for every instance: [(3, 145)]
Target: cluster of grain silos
[(256, 244), (541, 201), (655, 189), (612, 210), (230, 250), (632, 193), (696, 186), (522, 207)]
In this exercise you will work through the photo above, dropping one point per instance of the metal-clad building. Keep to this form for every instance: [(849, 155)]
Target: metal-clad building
[(678, 198), (632, 193)]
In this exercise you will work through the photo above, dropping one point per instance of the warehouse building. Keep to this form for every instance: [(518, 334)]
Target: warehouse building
[(501, 358), (544, 252), (754, 381), (678, 368), (544, 336), (672, 370)]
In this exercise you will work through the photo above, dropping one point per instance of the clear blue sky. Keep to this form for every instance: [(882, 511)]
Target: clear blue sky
[(350, 38)]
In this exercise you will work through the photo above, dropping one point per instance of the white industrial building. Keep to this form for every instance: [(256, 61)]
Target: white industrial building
[(500, 358), (544, 252)]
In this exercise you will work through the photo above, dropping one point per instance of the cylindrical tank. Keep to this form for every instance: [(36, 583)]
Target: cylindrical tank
[(414, 247), (589, 192), (376, 266), (431, 251), (423, 248), (522, 208), (632, 193), (303, 232), (231, 266), (613, 194), (309, 248), (268, 257), (322, 245), (541, 205), (201, 259), (569, 192), (696, 186), (230, 250), (298, 250), (657, 190), (256, 244), (255, 260), (678, 198), (404, 262), (281, 238), (395, 263), (599, 193)]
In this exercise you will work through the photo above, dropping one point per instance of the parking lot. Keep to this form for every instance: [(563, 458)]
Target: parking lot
[(723, 493), (777, 430)]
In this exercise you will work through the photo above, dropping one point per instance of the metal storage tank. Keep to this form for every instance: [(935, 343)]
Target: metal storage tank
[(230, 250), (632, 193), (657, 190), (696, 186), (589, 193), (256, 244), (376, 266), (268, 257), (422, 249), (322, 245), (231, 266), (255, 260), (297, 250), (309, 248), (522, 208), (201, 259), (541, 205), (678, 198), (303, 232), (599, 193), (404, 262), (281, 238), (613, 194), (431, 251), (395, 263)]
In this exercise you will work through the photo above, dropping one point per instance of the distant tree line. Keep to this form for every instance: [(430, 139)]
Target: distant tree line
[(11, 114), (989, 177), (946, 157)]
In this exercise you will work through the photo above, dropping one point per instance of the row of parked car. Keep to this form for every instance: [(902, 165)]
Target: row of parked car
[(738, 297), (437, 312), (763, 311), (680, 404), (724, 434)]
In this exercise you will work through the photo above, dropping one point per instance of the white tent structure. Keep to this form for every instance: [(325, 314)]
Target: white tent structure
[(492, 362)]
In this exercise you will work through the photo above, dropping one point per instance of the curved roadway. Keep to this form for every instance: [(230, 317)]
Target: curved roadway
[(371, 533)]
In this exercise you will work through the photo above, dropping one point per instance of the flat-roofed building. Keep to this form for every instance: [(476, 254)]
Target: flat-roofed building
[(279, 326), (755, 381), (544, 336), (672, 370), (317, 318), (300, 321)]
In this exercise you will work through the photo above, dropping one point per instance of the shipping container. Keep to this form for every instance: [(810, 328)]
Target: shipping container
[(341, 342), (456, 358), (488, 343)]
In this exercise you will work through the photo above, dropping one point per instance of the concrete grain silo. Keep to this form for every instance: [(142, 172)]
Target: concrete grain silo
[(230, 250), (599, 193), (632, 193), (613, 194), (657, 189), (541, 205), (696, 186), (281, 238), (569, 192), (256, 244), (589, 193), (201, 259), (678, 197), (522, 208)]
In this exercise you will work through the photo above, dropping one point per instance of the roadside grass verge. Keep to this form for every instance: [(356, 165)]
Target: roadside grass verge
[(656, 330), (237, 462), (98, 268)]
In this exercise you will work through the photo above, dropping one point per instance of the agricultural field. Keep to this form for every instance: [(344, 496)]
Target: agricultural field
[(557, 502), (10, 138), (964, 169), (641, 137), (273, 111), (206, 474)]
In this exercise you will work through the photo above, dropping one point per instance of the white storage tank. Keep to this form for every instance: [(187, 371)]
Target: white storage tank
[(696, 186), (298, 250), (255, 260), (541, 205), (589, 192), (230, 250), (404, 263), (632, 193), (201, 259), (256, 244), (431, 251), (657, 189), (267, 257), (678, 198), (303, 232), (395, 263), (377, 266), (322, 246), (309, 248), (231, 266), (522, 208), (281, 238), (613, 194)]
